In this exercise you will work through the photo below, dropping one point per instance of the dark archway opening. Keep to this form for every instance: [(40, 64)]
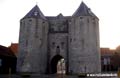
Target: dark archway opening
[(56, 64)]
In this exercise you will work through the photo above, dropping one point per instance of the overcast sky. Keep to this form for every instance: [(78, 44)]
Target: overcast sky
[(108, 11)]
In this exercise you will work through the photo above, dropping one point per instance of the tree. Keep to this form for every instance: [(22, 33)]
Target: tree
[(115, 60), (118, 49)]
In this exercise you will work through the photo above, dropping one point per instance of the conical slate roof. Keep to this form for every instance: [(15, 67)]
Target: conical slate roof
[(83, 10), (35, 12)]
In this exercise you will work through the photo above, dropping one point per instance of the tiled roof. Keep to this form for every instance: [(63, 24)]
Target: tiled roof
[(83, 10), (35, 12), (14, 48), (4, 51), (107, 51)]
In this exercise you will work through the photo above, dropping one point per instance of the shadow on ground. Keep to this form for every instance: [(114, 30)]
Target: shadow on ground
[(47, 76)]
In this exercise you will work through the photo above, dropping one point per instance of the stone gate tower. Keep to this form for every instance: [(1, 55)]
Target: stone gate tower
[(44, 40)]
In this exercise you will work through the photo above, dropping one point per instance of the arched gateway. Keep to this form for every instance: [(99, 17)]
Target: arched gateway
[(56, 64), (44, 40)]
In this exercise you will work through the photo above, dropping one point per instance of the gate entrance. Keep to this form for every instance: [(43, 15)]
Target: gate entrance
[(58, 65)]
